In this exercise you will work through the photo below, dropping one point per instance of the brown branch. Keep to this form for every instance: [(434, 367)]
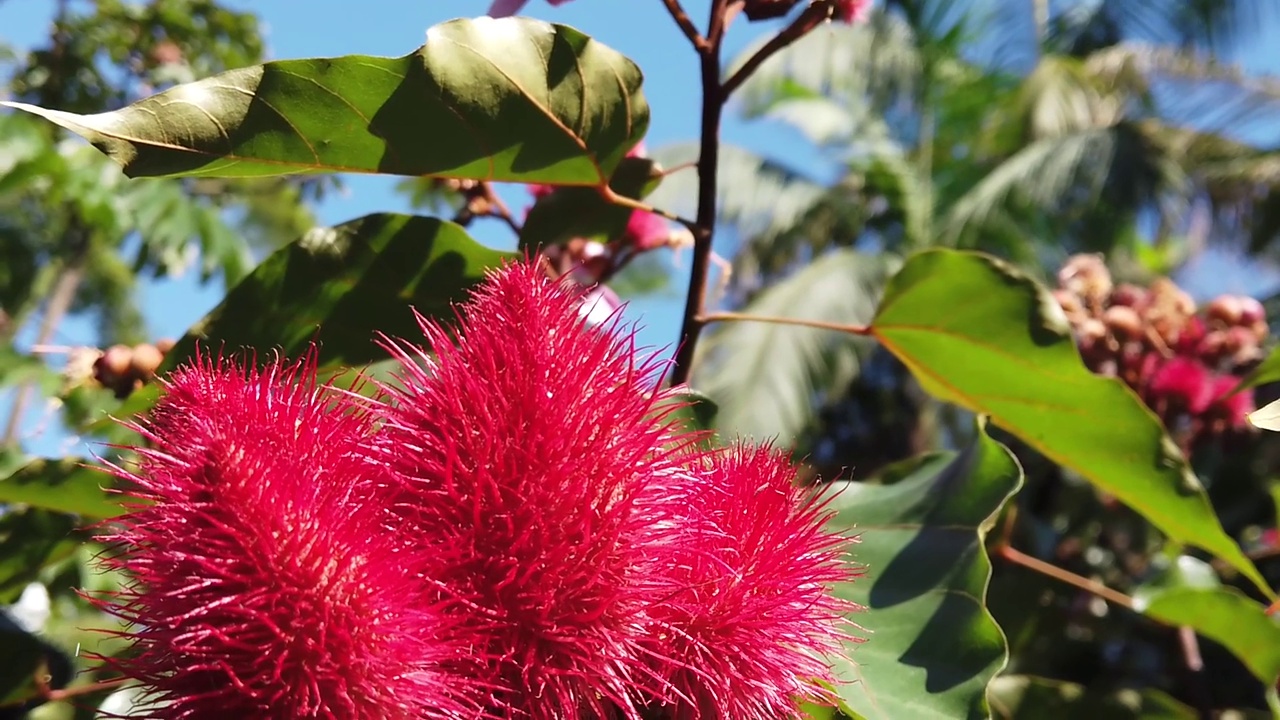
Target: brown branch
[(798, 322), (56, 308), (806, 21), (503, 212), (708, 165), (1094, 587), (686, 25)]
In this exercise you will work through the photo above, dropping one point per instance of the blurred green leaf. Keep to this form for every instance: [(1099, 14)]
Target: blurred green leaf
[(698, 413), (514, 100), (22, 655), (30, 539), (1023, 697), (343, 285), (981, 334), (576, 212), (1225, 616), (1267, 371), (933, 646), (61, 486)]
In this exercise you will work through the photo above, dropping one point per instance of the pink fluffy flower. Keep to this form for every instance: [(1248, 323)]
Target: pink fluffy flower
[(264, 584), (530, 451), (853, 11), (507, 8), (747, 614), (1185, 382)]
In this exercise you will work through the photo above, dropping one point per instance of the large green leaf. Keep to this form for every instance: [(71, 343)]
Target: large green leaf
[(343, 285), (577, 212), (66, 486), (981, 334), (509, 99), (932, 647), (1223, 615), (1022, 697)]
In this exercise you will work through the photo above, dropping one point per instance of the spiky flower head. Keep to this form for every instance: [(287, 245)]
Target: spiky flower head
[(265, 584), (747, 622), (615, 566), (529, 446)]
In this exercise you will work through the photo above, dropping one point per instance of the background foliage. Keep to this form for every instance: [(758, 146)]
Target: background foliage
[(926, 382)]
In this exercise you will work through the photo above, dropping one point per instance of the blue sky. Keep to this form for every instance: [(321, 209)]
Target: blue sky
[(641, 30)]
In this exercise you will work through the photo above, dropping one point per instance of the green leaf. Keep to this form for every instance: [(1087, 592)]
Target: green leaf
[(342, 285), (577, 212), (30, 539), (66, 486), (933, 646), (1223, 615), (24, 656), (1267, 371), (979, 333), (1024, 696), (512, 99)]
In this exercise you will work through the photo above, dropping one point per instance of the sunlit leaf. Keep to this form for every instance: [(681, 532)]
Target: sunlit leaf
[(1015, 697), (509, 99), (979, 333), (932, 647), (61, 486), (341, 286)]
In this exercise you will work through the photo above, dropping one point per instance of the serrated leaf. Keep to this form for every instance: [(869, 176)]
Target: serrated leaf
[(977, 332), (575, 212), (1023, 696), (932, 647), (65, 486), (341, 286), (511, 99)]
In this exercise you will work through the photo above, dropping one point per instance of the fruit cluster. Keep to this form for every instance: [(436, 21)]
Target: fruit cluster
[(123, 369), (1183, 361)]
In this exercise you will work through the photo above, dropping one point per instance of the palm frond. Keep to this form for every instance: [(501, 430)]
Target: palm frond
[(769, 379)]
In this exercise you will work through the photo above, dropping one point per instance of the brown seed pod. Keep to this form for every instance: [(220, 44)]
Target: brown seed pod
[(146, 359), (1129, 295), (113, 365), (1088, 277), (1123, 322), (1224, 311), (165, 345)]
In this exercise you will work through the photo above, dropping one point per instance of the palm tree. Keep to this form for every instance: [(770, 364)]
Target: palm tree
[(1029, 130)]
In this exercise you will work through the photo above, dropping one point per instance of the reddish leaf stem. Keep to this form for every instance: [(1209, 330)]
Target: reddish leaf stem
[(800, 322), (1017, 557)]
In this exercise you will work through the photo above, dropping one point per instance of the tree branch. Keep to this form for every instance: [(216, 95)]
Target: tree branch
[(798, 322), (682, 19), (805, 22), (708, 166)]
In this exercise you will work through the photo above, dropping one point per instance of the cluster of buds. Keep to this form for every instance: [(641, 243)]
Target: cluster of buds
[(120, 368), (591, 263), (1185, 362)]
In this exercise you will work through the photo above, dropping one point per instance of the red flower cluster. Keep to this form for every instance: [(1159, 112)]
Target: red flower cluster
[(1184, 363), (514, 529)]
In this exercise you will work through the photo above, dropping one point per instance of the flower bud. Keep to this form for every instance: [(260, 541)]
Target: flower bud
[(1088, 277), (114, 364), (146, 359), (1123, 322), (1129, 295), (1224, 310), (1071, 305), (165, 345)]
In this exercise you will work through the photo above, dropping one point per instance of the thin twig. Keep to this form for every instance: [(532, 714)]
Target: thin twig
[(1018, 557), (805, 22), (503, 212), (1193, 663), (623, 201), (708, 165), (773, 320), (682, 19)]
